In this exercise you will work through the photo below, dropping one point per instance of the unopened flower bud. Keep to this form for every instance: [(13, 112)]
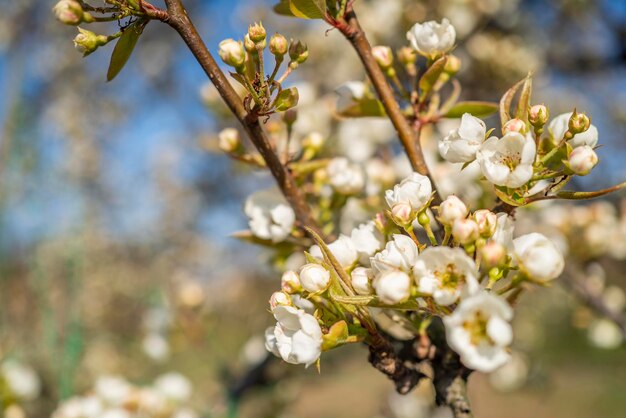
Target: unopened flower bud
[(257, 34), (538, 115), (383, 56), (493, 254), (582, 160), (402, 213), (452, 209), (69, 12), (486, 221), (290, 282), (229, 140), (87, 41), (465, 231), (407, 55), (453, 65), (232, 53), (279, 45), (298, 52), (248, 44), (280, 299), (393, 286), (286, 99), (578, 123), (290, 116), (514, 125), (314, 278), (361, 280)]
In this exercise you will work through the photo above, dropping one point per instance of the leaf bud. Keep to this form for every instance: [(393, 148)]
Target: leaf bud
[(286, 99)]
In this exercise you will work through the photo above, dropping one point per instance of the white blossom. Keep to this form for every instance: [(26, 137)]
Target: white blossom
[(174, 386), (345, 177), (445, 273), (503, 233), (22, 380), (432, 38), (560, 125), (296, 338), (461, 145), (270, 216), (479, 331), (361, 280), (112, 389), (507, 161), (393, 286), (342, 248), (538, 256), (314, 278), (155, 346), (414, 190), (348, 93), (367, 240), (399, 254)]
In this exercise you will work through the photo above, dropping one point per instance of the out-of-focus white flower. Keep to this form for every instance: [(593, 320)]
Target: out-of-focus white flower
[(367, 240), (290, 282), (361, 280), (492, 254), (399, 254), (69, 12), (452, 209), (22, 380), (479, 331), (174, 386), (393, 286), (185, 413), (461, 145), (503, 234), (445, 273), (414, 190), (115, 413), (465, 231), (538, 256), (112, 389), (379, 175), (507, 161), (296, 338), (229, 139), (314, 278), (582, 160), (359, 139), (432, 38), (614, 298), (512, 375), (348, 93), (603, 333), (270, 216), (560, 125), (344, 176), (155, 346)]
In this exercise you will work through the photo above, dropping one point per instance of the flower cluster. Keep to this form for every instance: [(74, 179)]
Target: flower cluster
[(113, 396)]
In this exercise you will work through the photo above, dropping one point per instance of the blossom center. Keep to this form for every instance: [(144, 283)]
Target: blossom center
[(476, 327), (450, 277)]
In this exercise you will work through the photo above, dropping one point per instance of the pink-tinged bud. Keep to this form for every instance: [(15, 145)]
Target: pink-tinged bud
[(402, 213), (465, 231), (314, 278), (298, 52), (290, 282), (229, 140), (279, 45), (69, 12), (452, 209), (280, 299), (257, 34), (493, 254), (383, 56), (486, 221), (232, 53), (538, 115), (578, 123), (582, 160), (514, 125)]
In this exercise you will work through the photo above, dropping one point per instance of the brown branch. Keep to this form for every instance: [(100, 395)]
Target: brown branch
[(176, 16), (353, 32)]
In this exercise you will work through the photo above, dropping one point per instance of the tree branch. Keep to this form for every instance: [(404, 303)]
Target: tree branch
[(353, 32), (178, 19)]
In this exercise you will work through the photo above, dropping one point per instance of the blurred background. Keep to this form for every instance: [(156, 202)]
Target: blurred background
[(116, 215)]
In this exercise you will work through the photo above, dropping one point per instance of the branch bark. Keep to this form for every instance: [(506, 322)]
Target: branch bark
[(177, 18), (353, 32)]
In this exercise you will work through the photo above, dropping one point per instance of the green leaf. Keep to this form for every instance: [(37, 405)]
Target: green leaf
[(364, 108), (506, 198), (355, 300), (305, 9), (507, 99), (124, 48), (475, 108), (523, 104), (430, 77), (451, 100)]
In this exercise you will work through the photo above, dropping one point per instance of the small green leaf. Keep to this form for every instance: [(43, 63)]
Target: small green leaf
[(305, 9), (364, 108), (475, 108), (506, 198), (124, 48), (523, 104), (431, 76)]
